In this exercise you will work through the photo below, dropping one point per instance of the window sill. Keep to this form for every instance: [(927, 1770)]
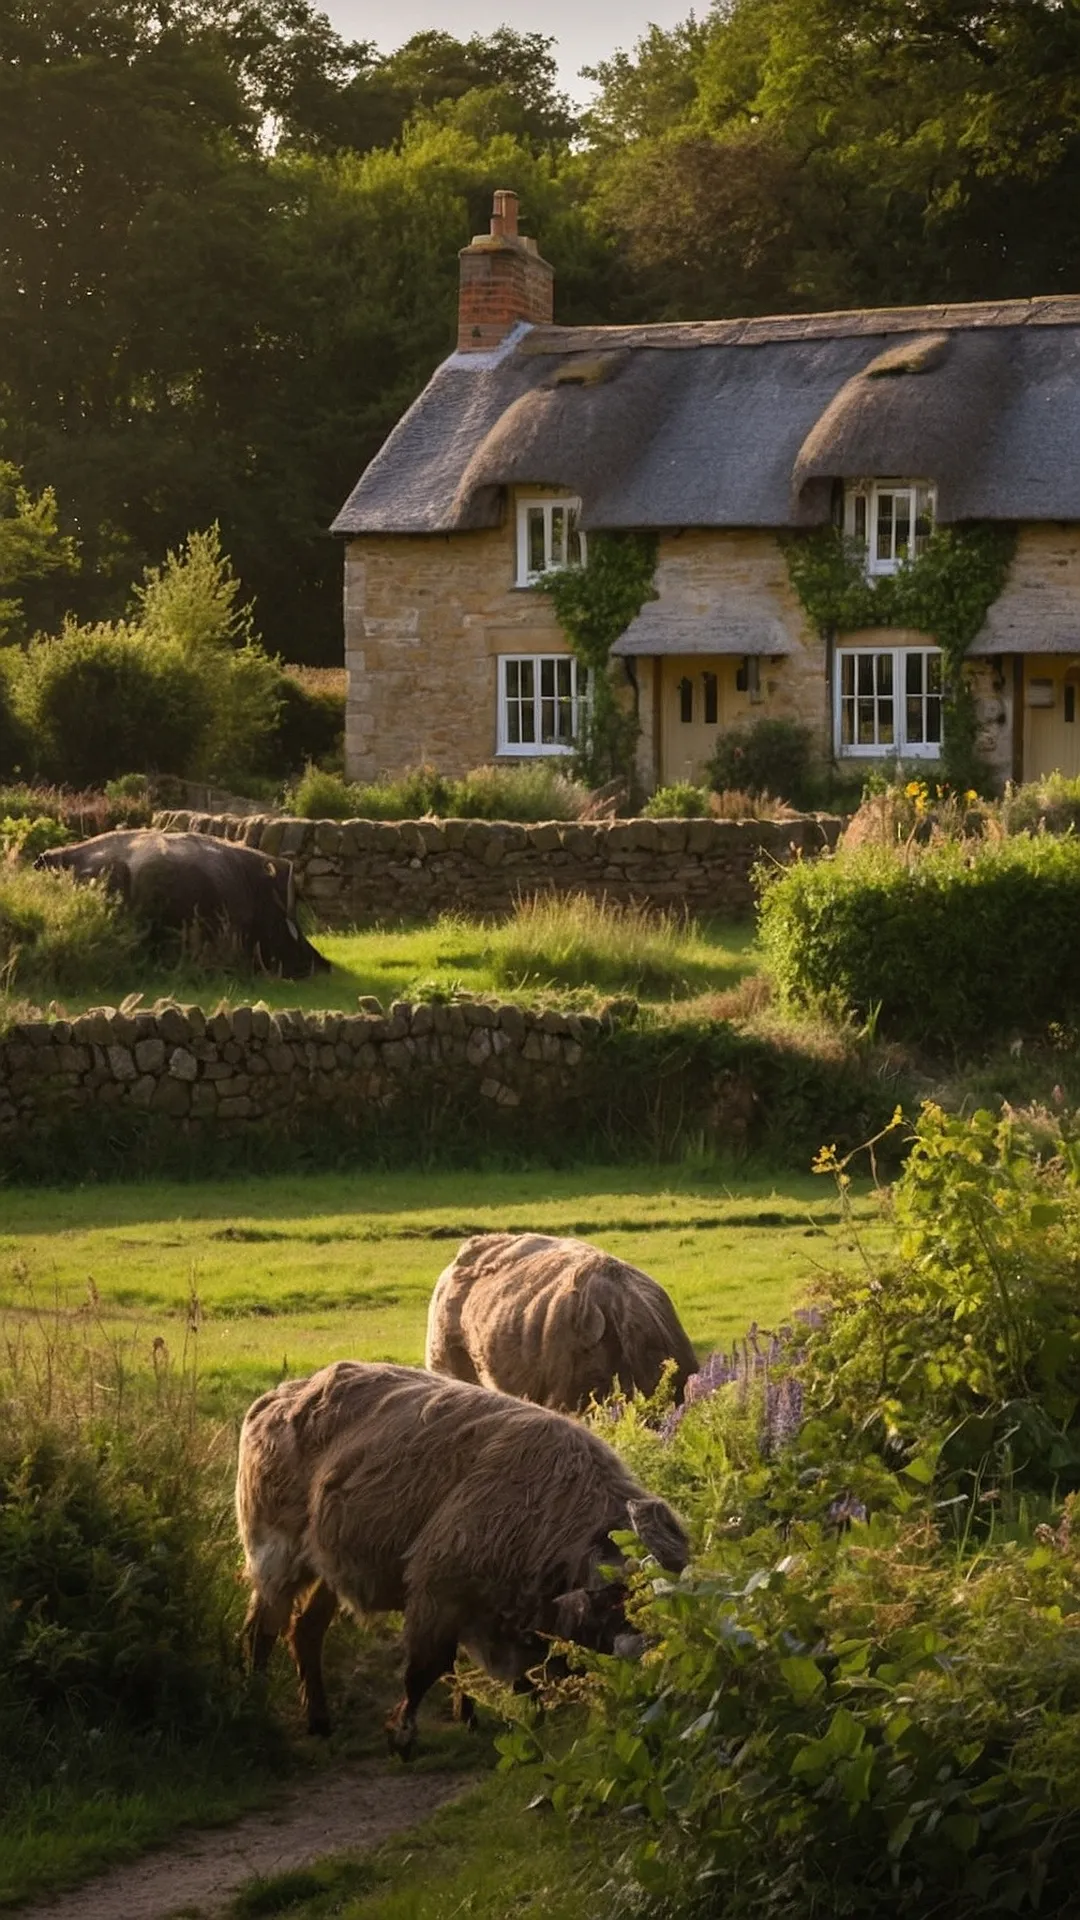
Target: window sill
[(889, 753), (533, 753)]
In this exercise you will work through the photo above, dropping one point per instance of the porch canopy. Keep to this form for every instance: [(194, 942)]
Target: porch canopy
[(667, 629)]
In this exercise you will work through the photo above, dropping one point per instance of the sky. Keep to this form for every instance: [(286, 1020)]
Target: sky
[(585, 31)]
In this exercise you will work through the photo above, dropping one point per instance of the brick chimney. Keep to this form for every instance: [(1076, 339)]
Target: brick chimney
[(503, 280)]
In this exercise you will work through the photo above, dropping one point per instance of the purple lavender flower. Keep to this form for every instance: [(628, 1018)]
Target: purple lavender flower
[(783, 1413), (843, 1511)]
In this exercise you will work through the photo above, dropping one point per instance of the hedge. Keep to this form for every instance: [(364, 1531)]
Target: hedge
[(959, 944)]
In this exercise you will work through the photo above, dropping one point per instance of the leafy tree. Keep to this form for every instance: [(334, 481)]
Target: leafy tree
[(31, 544)]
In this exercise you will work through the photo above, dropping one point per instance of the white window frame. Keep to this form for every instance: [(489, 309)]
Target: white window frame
[(545, 506), (899, 747), (523, 683), (865, 515)]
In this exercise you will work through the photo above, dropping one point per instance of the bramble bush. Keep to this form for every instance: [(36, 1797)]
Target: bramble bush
[(864, 1696), (954, 943)]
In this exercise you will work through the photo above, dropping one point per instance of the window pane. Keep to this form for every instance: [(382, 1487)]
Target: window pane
[(933, 672), (933, 719), (902, 526), (865, 672), (867, 734), (884, 673), (686, 701), (924, 517), (913, 670), (535, 526), (711, 700), (847, 674), (558, 536), (884, 526), (847, 723), (528, 704)]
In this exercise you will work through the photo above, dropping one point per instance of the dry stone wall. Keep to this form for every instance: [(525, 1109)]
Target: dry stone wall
[(249, 1065), (355, 871)]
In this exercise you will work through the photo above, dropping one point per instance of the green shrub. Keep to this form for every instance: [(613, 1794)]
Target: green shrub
[(682, 801), (99, 700), (953, 943), (542, 790), (56, 935), (14, 745), (115, 1551), (26, 836), (488, 793), (1053, 804), (310, 724), (868, 1683), (768, 756)]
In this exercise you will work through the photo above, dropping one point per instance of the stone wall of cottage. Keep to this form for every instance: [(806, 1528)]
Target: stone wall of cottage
[(356, 871), (426, 617)]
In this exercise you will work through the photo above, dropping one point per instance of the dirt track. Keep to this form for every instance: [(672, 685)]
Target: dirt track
[(199, 1872)]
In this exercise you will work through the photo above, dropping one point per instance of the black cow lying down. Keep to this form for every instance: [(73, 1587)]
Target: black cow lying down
[(180, 880)]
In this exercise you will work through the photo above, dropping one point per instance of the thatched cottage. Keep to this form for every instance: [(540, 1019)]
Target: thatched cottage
[(723, 438)]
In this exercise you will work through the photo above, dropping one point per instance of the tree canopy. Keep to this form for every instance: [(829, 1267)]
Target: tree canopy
[(228, 237)]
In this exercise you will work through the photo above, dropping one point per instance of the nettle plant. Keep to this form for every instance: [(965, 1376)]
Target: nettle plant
[(594, 605), (945, 592)]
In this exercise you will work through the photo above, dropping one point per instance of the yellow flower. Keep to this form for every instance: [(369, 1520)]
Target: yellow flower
[(971, 794), (913, 789)]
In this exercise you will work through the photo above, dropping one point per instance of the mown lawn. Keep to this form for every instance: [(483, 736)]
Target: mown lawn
[(290, 1273), (411, 963)]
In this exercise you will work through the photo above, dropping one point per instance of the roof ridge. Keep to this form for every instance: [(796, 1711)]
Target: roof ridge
[(1044, 310)]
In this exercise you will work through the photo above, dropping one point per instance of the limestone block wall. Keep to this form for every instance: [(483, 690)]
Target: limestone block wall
[(353, 872), (192, 1070), (426, 617)]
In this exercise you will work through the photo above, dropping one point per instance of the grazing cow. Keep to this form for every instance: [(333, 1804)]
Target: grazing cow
[(486, 1520), (181, 880), (555, 1321)]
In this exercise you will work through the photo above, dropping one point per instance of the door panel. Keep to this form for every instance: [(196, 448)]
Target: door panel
[(698, 698), (1051, 715)]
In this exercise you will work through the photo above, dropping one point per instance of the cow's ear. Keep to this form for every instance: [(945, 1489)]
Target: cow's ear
[(655, 1524)]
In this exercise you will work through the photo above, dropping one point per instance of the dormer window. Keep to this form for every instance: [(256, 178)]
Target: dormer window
[(548, 536), (891, 519)]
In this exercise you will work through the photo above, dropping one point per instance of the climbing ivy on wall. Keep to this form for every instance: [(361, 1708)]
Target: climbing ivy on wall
[(945, 593), (594, 604)]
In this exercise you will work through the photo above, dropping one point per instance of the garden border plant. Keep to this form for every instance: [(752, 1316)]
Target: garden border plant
[(946, 592)]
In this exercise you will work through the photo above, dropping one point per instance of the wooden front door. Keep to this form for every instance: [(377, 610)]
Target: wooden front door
[(698, 697), (1051, 693)]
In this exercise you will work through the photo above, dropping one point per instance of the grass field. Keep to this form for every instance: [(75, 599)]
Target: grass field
[(290, 1273), (409, 963)]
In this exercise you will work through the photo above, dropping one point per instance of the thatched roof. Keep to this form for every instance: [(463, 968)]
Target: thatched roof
[(667, 626), (744, 422)]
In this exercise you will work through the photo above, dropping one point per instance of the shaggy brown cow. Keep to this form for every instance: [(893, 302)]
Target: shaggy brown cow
[(555, 1321), (484, 1519), (184, 880)]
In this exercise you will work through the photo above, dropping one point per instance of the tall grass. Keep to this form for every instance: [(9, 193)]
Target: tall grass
[(572, 940), (58, 936)]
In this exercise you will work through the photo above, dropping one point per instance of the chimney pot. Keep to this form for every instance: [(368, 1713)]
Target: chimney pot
[(504, 212), (504, 281)]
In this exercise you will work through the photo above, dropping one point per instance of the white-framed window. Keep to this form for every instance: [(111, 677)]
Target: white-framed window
[(548, 536), (888, 702), (891, 519), (542, 702)]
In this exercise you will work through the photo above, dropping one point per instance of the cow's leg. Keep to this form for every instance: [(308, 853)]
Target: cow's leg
[(428, 1656), (266, 1620), (306, 1635)]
